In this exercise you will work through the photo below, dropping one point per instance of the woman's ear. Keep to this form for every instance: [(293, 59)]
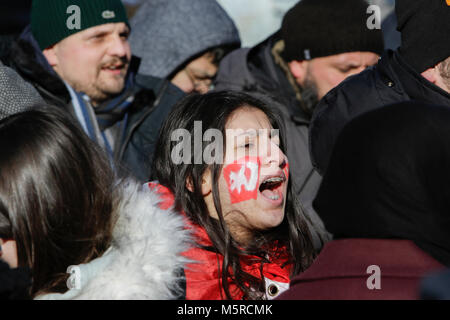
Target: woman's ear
[(206, 183)]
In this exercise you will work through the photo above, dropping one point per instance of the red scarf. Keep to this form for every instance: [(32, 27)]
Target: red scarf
[(203, 279)]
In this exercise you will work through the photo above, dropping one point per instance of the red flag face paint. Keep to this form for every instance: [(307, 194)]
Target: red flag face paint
[(286, 170), (242, 178)]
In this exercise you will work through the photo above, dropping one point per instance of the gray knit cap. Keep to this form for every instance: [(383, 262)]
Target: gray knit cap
[(16, 95), (168, 33)]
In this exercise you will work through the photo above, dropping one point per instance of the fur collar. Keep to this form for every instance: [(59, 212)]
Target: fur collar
[(144, 261)]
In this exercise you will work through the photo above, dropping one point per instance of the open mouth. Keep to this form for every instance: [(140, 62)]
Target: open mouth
[(116, 69), (272, 188)]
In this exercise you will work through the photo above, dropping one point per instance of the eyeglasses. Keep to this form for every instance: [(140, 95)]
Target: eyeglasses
[(201, 81)]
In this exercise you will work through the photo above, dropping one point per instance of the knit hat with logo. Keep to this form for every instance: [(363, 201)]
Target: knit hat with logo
[(54, 20), (320, 28)]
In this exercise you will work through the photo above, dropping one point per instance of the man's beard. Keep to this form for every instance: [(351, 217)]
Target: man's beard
[(309, 94), (444, 71)]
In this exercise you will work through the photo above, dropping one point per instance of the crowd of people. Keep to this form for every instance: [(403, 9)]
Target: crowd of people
[(149, 156)]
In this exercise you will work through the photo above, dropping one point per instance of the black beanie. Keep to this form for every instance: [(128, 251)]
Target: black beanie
[(425, 29), (319, 28)]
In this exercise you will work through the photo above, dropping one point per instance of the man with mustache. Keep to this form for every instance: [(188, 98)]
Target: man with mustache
[(77, 55)]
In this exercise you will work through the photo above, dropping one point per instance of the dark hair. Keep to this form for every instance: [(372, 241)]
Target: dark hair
[(214, 109), (56, 195)]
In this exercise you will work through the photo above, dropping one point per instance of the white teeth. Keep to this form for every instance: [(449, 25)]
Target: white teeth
[(275, 197), (274, 179)]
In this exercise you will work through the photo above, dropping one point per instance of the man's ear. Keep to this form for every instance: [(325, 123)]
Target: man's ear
[(51, 56), (431, 75), (206, 183), (299, 70)]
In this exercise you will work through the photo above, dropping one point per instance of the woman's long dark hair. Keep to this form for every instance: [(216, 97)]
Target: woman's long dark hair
[(56, 197), (213, 110)]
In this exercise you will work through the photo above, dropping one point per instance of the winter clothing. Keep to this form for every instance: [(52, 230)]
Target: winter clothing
[(388, 178), (16, 95), (203, 277), (55, 20), (14, 283), (436, 286), (425, 26), (341, 271), (168, 34), (385, 197), (144, 260), (134, 127), (255, 71), (391, 80), (392, 38), (313, 29)]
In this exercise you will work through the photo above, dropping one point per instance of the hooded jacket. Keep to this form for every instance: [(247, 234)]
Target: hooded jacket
[(167, 34), (203, 276), (153, 100), (391, 80), (144, 261), (255, 71)]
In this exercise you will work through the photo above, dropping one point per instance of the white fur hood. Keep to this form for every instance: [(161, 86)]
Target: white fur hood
[(144, 261)]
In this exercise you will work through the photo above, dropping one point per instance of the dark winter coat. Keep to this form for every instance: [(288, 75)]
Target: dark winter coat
[(255, 71), (14, 283), (153, 101), (342, 271), (390, 81)]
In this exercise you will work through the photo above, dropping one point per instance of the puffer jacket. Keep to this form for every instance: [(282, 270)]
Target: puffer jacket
[(203, 278), (144, 261), (391, 80)]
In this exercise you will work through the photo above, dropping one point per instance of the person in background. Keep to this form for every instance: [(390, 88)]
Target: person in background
[(418, 70), (386, 198), (82, 233), (183, 40), (320, 43), (249, 231), (78, 58)]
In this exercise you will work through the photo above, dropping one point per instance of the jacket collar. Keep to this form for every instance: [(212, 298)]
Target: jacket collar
[(272, 79), (413, 84)]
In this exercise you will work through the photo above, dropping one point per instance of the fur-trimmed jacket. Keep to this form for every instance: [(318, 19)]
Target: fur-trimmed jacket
[(144, 261)]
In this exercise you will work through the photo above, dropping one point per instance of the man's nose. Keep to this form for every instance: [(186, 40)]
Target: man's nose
[(118, 47)]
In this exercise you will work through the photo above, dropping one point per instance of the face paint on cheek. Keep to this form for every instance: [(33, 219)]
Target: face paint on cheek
[(242, 179), (286, 170)]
